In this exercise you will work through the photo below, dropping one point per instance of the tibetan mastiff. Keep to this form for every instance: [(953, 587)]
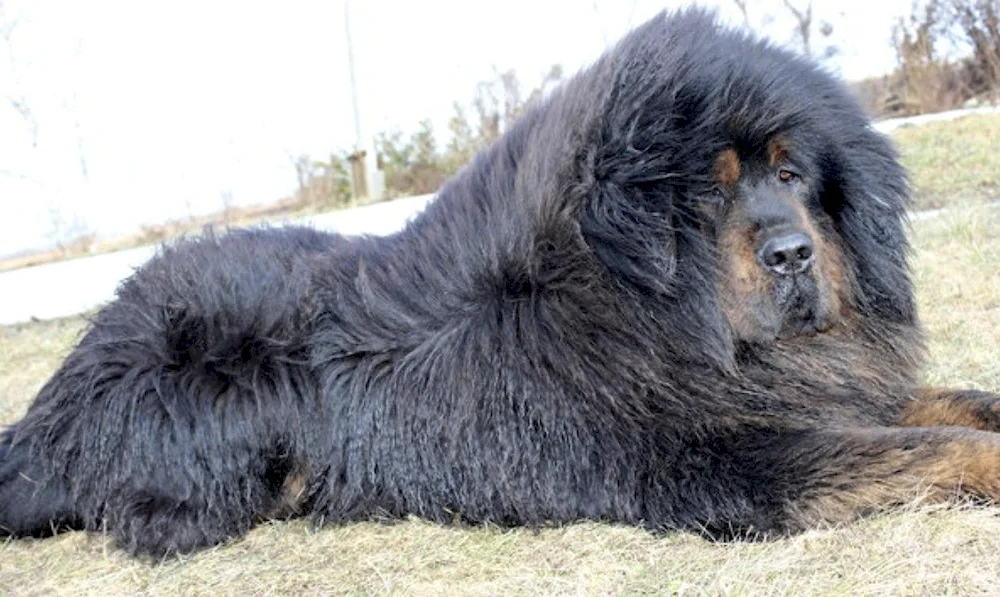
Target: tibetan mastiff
[(674, 294)]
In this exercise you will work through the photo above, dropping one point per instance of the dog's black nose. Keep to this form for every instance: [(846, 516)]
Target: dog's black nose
[(787, 254)]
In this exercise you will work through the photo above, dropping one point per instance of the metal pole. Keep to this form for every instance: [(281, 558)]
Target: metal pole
[(358, 144), (358, 178)]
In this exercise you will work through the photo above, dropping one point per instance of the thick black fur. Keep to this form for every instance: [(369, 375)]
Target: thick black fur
[(544, 344)]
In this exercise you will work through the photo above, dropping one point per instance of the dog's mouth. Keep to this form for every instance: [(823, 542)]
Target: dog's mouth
[(800, 307), (781, 295)]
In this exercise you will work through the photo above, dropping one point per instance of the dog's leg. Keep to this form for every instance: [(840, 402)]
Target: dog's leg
[(32, 501), (935, 407), (805, 478), (213, 495), (164, 463), (156, 523)]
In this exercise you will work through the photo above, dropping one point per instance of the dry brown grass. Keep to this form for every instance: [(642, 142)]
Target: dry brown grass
[(958, 276), (932, 551), (917, 551)]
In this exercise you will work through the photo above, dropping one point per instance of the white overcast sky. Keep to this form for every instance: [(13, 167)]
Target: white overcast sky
[(145, 111)]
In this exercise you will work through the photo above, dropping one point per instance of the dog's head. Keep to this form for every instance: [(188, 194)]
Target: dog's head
[(781, 266), (720, 161)]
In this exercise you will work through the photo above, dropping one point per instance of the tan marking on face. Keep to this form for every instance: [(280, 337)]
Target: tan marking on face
[(727, 168), (830, 272), (777, 151), (744, 288)]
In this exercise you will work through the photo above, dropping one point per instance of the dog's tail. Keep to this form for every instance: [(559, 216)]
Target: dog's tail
[(33, 502)]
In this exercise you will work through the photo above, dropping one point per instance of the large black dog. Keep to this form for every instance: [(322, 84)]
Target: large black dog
[(674, 294)]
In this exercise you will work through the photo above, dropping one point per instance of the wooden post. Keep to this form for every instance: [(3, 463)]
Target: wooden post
[(359, 179)]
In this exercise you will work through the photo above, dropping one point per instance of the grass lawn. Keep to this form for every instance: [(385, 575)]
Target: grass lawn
[(952, 161), (915, 551)]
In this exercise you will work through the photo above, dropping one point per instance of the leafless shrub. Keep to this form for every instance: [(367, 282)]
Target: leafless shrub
[(947, 52), (323, 183), (411, 166), (924, 81), (977, 22), (417, 164)]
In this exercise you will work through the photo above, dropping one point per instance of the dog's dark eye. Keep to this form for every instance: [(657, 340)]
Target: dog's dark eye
[(716, 196), (787, 175)]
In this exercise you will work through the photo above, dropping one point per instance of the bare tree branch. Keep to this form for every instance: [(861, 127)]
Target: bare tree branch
[(16, 100), (742, 6), (803, 25)]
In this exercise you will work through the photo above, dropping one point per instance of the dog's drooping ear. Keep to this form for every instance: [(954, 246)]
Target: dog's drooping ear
[(872, 197), (634, 240)]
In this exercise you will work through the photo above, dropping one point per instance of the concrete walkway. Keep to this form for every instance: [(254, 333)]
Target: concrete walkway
[(887, 126), (74, 286)]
